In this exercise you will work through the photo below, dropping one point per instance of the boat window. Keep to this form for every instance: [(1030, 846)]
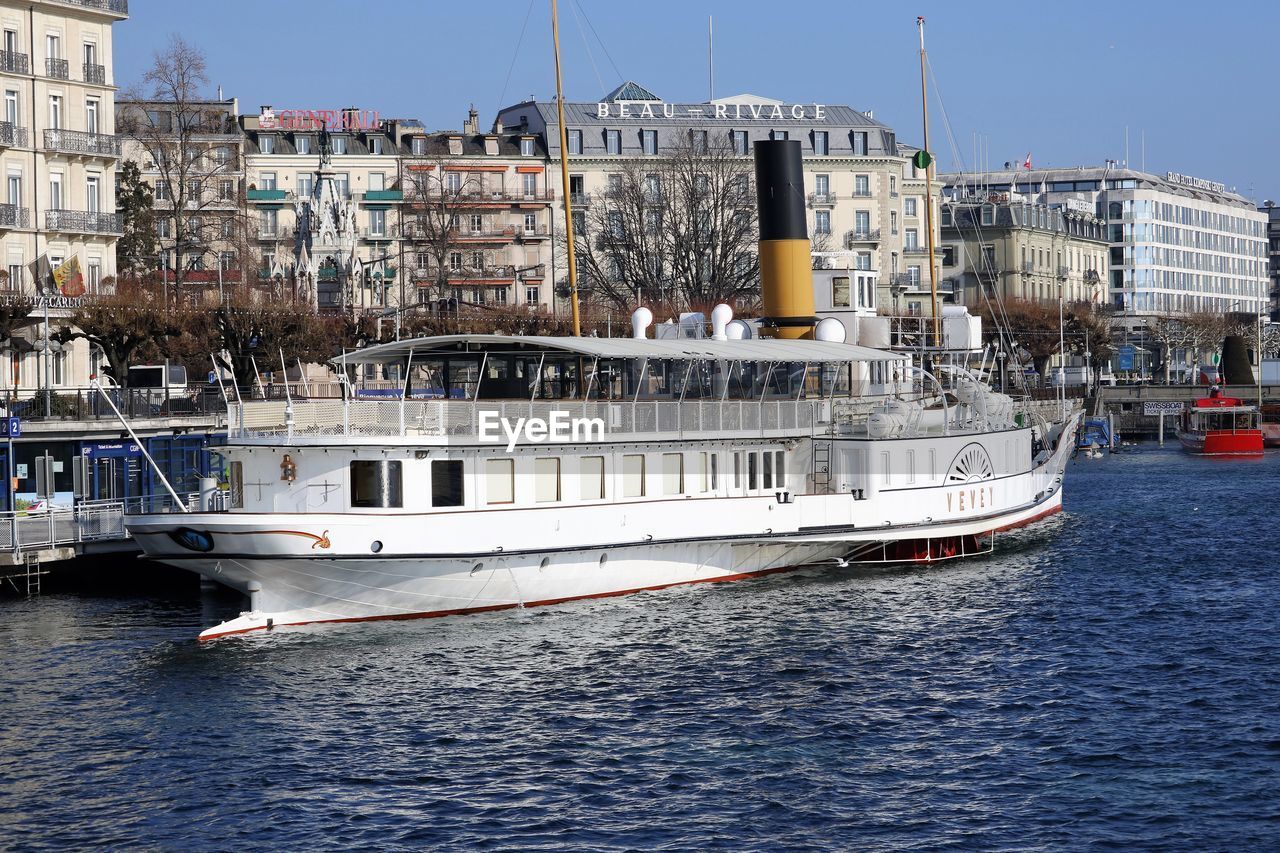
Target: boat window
[(780, 468), (715, 472), (673, 473), (235, 481), (633, 475), (375, 484), (591, 478), (704, 471), (768, 469), (500, 481), (546, 480), (446, 482), (737, 470), (753, 472)]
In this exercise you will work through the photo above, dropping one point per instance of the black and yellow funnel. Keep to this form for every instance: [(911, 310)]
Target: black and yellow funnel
[(786, 267)]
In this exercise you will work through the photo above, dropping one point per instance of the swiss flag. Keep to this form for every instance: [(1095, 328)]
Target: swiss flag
[(1026, 164)]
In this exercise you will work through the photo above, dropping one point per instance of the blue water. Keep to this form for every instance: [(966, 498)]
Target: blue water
[(1109, 679)]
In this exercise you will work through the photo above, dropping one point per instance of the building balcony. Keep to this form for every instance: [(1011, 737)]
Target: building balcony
[(14, 63), (266, 232), (484, 235), (95, 74), (83, 222), (59, 69), (115, 7), (915, 250), (579, 200), (1028, 267), (265, 195), (454, 198), (536, 233), (854, 237), (988, 272), (79, 142), (12, 216), (11, 134), (1063, 272), (1092, 277), (383, 195), (862, 192), (822, 199)]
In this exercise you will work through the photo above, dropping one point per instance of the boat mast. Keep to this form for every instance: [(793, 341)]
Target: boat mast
[(564, 176), (928, 189)]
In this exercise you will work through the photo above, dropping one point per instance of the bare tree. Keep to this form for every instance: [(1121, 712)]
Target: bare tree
[(188, 141), (436, 199), (678, 231), (1172, 332)]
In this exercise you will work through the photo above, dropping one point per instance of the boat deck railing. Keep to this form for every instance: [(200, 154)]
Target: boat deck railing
[(613, 420)]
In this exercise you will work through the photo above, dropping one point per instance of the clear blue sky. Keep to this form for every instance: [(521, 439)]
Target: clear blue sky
[(1059, 80)]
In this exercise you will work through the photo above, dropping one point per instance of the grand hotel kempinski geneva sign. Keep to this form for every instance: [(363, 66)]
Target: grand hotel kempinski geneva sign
[(736, 112)]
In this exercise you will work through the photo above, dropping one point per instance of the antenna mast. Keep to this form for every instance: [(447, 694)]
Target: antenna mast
[(711, 63), (928, 190), (564, 177)]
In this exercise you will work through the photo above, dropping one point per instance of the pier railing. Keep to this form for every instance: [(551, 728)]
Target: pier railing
[(85, 521)]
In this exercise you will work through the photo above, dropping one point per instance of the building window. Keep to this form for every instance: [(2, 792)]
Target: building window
[(862, 261), (698, 141), (378, 223), (342, 184), (55, 112), (779, 134), (820, 143), (673, 473), (913, 274), (821, 186), (613, 141), (455, 261), (591, 478), (526, 147), (376, 484), (893, 222), (339, 144), (163, 229), (194, 188), (55, 191), (306, 184), (95, 274), (226, 190), (546, 480), (649, 142), (267, 144), (304, 144), (530, 223), (822, 222), (862, 185), (500, 481), (375, 145), (862, 223), (580, 222), (477, 223), (446, 482), (419, 145), (575, 141), (532, 295), (266, 179), (529, 184), (988, 215), (91, 115), (633, 475), (860, 143), (11, 106), (909, 206), (741, 144), (911, 239), (92, 193)]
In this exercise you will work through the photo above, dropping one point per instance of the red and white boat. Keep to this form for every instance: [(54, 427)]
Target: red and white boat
[(1221, 426)]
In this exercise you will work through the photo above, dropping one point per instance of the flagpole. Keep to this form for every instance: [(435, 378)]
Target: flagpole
[(928, 190)]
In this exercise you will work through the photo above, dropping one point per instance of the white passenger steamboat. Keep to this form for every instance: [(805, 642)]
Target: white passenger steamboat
[(518, 471)]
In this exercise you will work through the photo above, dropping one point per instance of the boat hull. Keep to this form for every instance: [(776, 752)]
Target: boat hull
[(1271, 434), (298, 590), (1223, 442)]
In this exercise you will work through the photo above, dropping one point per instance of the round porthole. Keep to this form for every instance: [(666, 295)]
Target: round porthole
[(546, 561), (604, 558), (375, 546)]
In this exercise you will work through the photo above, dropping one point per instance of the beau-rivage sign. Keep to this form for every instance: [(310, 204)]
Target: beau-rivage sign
[(757, 112)]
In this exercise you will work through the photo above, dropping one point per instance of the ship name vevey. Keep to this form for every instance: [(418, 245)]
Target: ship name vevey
[(978, 497)]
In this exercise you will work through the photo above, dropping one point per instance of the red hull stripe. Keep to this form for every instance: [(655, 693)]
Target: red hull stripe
[(549, 601)]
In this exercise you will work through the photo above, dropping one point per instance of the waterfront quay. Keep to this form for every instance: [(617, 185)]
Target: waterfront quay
[(73, 470)]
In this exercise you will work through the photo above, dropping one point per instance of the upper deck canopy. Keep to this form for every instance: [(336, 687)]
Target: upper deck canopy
[(679, 349)]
